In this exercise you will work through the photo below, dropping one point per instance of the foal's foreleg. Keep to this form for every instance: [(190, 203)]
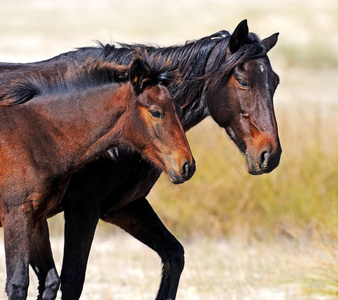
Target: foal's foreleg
[(139, 219), (17, 229), (41, 260)]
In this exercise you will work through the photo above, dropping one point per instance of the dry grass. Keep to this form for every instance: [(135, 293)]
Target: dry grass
[(268, 237)]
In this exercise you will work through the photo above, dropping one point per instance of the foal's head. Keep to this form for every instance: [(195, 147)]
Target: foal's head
[(154, 127)]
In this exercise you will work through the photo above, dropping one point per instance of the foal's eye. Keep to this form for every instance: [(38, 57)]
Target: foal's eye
[(242, 84), (156, 114)]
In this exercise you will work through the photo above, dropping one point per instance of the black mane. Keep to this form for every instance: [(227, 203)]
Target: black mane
[(191, 59)]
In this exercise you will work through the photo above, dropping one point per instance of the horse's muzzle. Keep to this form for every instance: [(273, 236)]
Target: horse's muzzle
[(266, 162)]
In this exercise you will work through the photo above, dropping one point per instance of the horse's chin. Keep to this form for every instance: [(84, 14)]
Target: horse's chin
[(254, 171)]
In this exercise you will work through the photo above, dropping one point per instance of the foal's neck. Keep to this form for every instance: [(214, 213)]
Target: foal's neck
[(87, 122)]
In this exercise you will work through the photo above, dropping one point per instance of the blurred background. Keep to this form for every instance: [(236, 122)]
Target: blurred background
[(246, 237)]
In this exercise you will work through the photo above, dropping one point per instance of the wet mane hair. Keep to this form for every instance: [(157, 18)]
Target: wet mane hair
[(93, 73)]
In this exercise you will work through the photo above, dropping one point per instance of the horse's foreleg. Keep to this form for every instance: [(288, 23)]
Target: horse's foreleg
[(80, 224), (17, 230), (139, 219), (41, 260)]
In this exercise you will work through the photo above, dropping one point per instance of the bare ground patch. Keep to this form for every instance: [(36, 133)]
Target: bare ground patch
[(122, 268)]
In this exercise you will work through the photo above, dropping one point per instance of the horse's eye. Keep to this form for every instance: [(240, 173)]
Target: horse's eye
[(156, 114), (242, 84)]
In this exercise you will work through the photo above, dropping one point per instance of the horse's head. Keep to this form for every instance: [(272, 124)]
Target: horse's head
[(160, 135), (241, 98)]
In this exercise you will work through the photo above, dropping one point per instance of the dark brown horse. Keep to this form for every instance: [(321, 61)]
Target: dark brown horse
[(51, 128), (228, 77)]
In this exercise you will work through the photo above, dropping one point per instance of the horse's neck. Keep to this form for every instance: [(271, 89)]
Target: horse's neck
[(86, 123), (195, 112), (194, 107), (197, 109)]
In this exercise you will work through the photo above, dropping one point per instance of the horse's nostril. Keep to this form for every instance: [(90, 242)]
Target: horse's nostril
[(263, 160)]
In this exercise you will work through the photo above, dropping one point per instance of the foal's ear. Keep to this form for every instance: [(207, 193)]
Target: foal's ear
[(270, 41), (139, 72), (237, 39)]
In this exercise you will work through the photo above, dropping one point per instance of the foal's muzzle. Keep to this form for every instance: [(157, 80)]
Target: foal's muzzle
[(187, 170)]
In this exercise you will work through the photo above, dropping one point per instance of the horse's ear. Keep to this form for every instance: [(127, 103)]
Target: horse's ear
[(239, 36), (139, 71), (270, 41)]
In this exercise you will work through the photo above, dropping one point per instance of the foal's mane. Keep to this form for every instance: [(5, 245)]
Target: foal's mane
[(78, 77)]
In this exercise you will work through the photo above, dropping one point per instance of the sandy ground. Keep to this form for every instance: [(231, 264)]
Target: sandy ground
[(121, 268)]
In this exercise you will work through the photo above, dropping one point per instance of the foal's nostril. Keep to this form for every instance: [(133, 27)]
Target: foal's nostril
[(185, 169), (188, 170)]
